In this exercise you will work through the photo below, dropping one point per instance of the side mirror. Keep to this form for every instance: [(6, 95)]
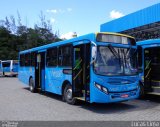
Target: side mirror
[(94, 52)]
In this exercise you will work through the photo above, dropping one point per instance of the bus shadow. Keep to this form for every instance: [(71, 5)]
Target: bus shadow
[(121, 107), (47, 94), (110, 108), (1, 76), (52, 95), (95, 107), (152, 98)]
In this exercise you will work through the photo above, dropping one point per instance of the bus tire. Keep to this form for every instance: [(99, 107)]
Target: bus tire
[(3, 74), (68, 95), (32, 85), (142, 92)]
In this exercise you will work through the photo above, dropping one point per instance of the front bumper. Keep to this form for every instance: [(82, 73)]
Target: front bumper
[(100, 97)]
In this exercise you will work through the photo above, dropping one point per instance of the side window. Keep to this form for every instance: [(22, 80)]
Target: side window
[(52, 57), (147, 59), (65, 56), (22, 60), (27, 59), (33, 58)]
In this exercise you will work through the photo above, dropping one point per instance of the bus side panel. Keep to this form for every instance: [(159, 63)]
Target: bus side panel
[(55, 79), (15, 67), (24, 73), (0, 68), (6, 69)]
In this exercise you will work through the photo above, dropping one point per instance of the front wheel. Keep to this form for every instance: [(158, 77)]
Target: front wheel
[(68, 95), (32, 85)]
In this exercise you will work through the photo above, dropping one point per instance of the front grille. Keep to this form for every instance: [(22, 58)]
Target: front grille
[(119, 95), (124, 91), (119, 81)]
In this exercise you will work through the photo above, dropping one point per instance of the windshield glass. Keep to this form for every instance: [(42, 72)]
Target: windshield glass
[(6, 64), (115, 61)]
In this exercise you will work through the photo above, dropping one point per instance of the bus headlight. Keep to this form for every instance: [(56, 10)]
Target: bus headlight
[(98, 86), (105, 90), (101, 88)]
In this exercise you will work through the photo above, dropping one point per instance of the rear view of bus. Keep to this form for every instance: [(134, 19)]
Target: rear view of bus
[(9, 68), (1, 68), (114, 76)]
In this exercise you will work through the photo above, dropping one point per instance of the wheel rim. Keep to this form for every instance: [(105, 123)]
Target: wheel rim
[(31, 86), (69, 94)]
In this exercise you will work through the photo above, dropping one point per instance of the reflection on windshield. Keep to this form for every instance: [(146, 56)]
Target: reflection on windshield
[(115, 61)]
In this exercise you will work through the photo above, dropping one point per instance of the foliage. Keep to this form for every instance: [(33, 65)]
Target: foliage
[(15, 38)]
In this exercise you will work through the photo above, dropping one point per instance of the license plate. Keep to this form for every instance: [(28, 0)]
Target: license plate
[(124, 96)]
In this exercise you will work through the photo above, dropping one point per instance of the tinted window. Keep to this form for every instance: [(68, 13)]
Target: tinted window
[(6, 64), (27, 59), (65, 56), (52, 57), (22, 60), (33, 58)]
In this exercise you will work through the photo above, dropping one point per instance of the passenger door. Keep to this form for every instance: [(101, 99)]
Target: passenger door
[(40, 71), (147, 70), (81, 71)]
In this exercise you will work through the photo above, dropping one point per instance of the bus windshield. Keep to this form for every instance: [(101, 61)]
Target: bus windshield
[(6, 64), (115, 61)]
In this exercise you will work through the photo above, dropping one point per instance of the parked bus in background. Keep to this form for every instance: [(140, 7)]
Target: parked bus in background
[(98, 67), (149, 62), (9, 67), (0, 68)]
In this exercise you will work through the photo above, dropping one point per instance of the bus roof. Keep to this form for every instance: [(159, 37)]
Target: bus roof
[(148, 42), (70, 41), (8, 60), (90, 36)]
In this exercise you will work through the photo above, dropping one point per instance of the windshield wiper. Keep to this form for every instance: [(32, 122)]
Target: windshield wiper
[(130, 55), (128, 51), (113, 51)]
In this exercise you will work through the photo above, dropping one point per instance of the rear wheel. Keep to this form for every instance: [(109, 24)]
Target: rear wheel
[(68, 95), (32, 85), (3, 74)]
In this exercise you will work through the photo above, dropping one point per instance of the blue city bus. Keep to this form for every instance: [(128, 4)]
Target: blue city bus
[(97, 67), (1, 68), (9, 67), (149, 62)]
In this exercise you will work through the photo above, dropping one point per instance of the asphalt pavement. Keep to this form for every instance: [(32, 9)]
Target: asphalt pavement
[(18, 103)]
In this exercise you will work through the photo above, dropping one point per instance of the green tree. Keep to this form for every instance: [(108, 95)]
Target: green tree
[(15, 38)]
